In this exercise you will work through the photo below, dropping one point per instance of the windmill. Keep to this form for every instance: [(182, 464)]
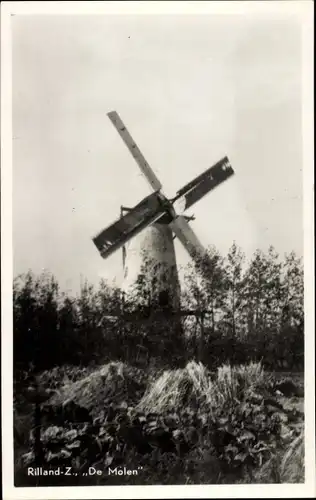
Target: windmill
[(147, 231)]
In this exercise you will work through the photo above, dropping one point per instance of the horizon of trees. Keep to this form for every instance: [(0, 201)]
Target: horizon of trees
[(245, 310)]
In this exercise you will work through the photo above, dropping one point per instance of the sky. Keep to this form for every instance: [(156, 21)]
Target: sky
[(190, 89)]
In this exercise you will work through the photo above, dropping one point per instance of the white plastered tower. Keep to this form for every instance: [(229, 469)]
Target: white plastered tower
[(150, 256)]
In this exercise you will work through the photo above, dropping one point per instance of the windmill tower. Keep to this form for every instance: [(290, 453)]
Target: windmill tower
[(146, 232), (150, 264)]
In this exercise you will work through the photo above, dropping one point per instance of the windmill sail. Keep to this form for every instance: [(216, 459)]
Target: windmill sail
[(204, 183), (188, 238), (141, 216), (135, 151)]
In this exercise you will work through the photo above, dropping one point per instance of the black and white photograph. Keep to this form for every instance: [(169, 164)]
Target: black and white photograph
[(157, 249)]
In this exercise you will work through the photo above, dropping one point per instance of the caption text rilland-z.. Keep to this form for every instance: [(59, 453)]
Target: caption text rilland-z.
[(91, 471)]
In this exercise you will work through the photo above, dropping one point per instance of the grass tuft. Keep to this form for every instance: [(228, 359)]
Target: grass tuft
[(177, 388)]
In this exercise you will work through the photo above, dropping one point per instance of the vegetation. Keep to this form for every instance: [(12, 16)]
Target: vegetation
[(185, 426), (101, 381), (252, 311)]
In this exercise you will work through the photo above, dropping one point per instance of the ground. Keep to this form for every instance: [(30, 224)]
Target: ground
[(185, 426)]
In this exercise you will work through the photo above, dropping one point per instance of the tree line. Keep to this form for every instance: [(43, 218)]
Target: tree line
[(242, 310)]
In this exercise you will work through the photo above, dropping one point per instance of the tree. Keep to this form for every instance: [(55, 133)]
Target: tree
[(234, 290), (68, 330), (35, 320), (292, 312), (272, 292), (254, 290), (292, 290), (205, 284), (24, 320)]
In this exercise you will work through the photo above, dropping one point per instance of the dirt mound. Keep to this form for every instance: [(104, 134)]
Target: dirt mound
[(61, 375), (113, 383)]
